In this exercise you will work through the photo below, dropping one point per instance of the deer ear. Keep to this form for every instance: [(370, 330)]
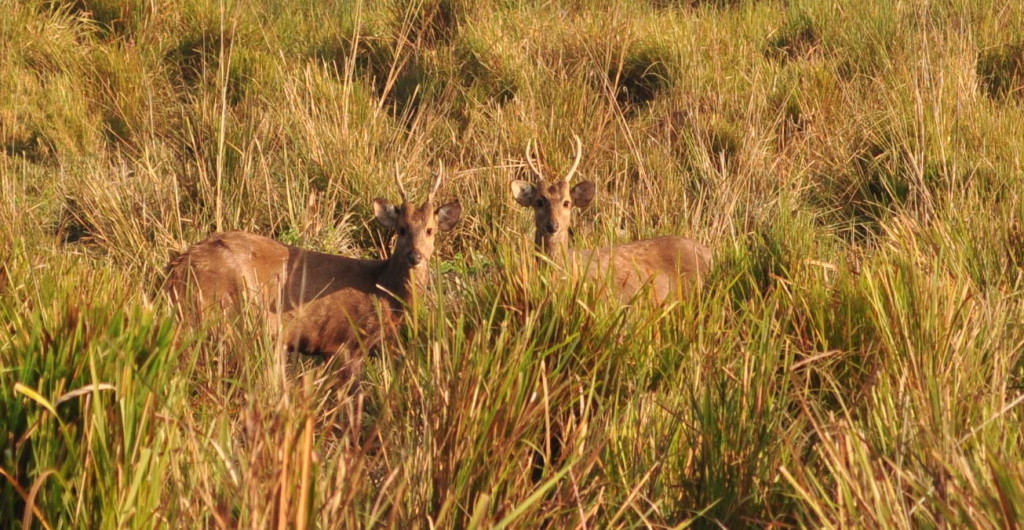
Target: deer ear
[(387, 213), (582, 194), (448, 215), (523, 192)]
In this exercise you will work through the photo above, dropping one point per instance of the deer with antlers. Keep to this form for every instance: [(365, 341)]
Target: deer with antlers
[(321, 303), (669, 264)]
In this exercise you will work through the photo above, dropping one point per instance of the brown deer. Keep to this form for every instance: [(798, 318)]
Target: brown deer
[(669, 264), (320, 302)]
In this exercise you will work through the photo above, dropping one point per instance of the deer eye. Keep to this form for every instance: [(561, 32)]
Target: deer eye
[(401, 231), (430, 231), (566, 204)]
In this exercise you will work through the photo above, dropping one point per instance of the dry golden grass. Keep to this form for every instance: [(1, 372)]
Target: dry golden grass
[(854, 360)]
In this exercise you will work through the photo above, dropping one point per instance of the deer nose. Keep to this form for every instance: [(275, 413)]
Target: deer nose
[(552, 227), (415, 258)]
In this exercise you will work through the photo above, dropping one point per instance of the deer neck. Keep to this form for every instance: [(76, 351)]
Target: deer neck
[(398, 281), (556, 248)]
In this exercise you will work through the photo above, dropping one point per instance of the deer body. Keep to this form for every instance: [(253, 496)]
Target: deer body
[(321, 303), (671, 265)]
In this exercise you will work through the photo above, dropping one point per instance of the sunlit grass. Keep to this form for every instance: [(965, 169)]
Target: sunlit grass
[(854, 359)]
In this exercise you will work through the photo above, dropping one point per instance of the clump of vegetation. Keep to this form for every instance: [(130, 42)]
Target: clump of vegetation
[(881, 185), (1001, 71), (870, 191), (371, 54), (112, 18), (713, 4), (30, 145), (792, 118), (483, 71), (797, 38), (398, 72), (434, 23), (699, 142), (774, 252), (643, 73), (198, 56), (73, 226)]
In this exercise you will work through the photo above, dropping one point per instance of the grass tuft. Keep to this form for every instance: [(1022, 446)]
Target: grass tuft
[(112, 19), (436, 22), (796, 39), (643, 73), (1001, 71)]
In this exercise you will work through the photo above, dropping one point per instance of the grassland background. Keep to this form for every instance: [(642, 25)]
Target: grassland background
[(855, 360)]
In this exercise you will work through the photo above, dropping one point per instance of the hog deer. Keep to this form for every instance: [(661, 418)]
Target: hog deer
[(669, 264), (320, 302)]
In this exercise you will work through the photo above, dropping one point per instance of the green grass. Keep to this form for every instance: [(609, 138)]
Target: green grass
[(853, 361)]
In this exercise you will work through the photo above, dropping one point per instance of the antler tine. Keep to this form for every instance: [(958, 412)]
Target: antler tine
[(529, 159), (437, 181), (579, 156), (401, 188)]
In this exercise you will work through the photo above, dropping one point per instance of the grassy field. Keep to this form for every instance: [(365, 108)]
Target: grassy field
[(854, 360)]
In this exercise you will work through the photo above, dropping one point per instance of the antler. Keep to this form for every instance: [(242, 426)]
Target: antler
[(579, 156), (401, 189), (437, 181), (529, 159)]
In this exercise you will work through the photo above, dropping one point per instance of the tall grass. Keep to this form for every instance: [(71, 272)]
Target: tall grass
[(854, 360)]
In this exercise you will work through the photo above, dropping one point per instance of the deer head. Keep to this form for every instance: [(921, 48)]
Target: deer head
[(415, 227), (552, 201)]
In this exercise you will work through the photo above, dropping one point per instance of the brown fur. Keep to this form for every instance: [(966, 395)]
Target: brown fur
[(671, 265), (321, 302)]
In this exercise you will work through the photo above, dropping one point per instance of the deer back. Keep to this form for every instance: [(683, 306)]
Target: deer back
[(218, 273), (670, 266), (319, 301)]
